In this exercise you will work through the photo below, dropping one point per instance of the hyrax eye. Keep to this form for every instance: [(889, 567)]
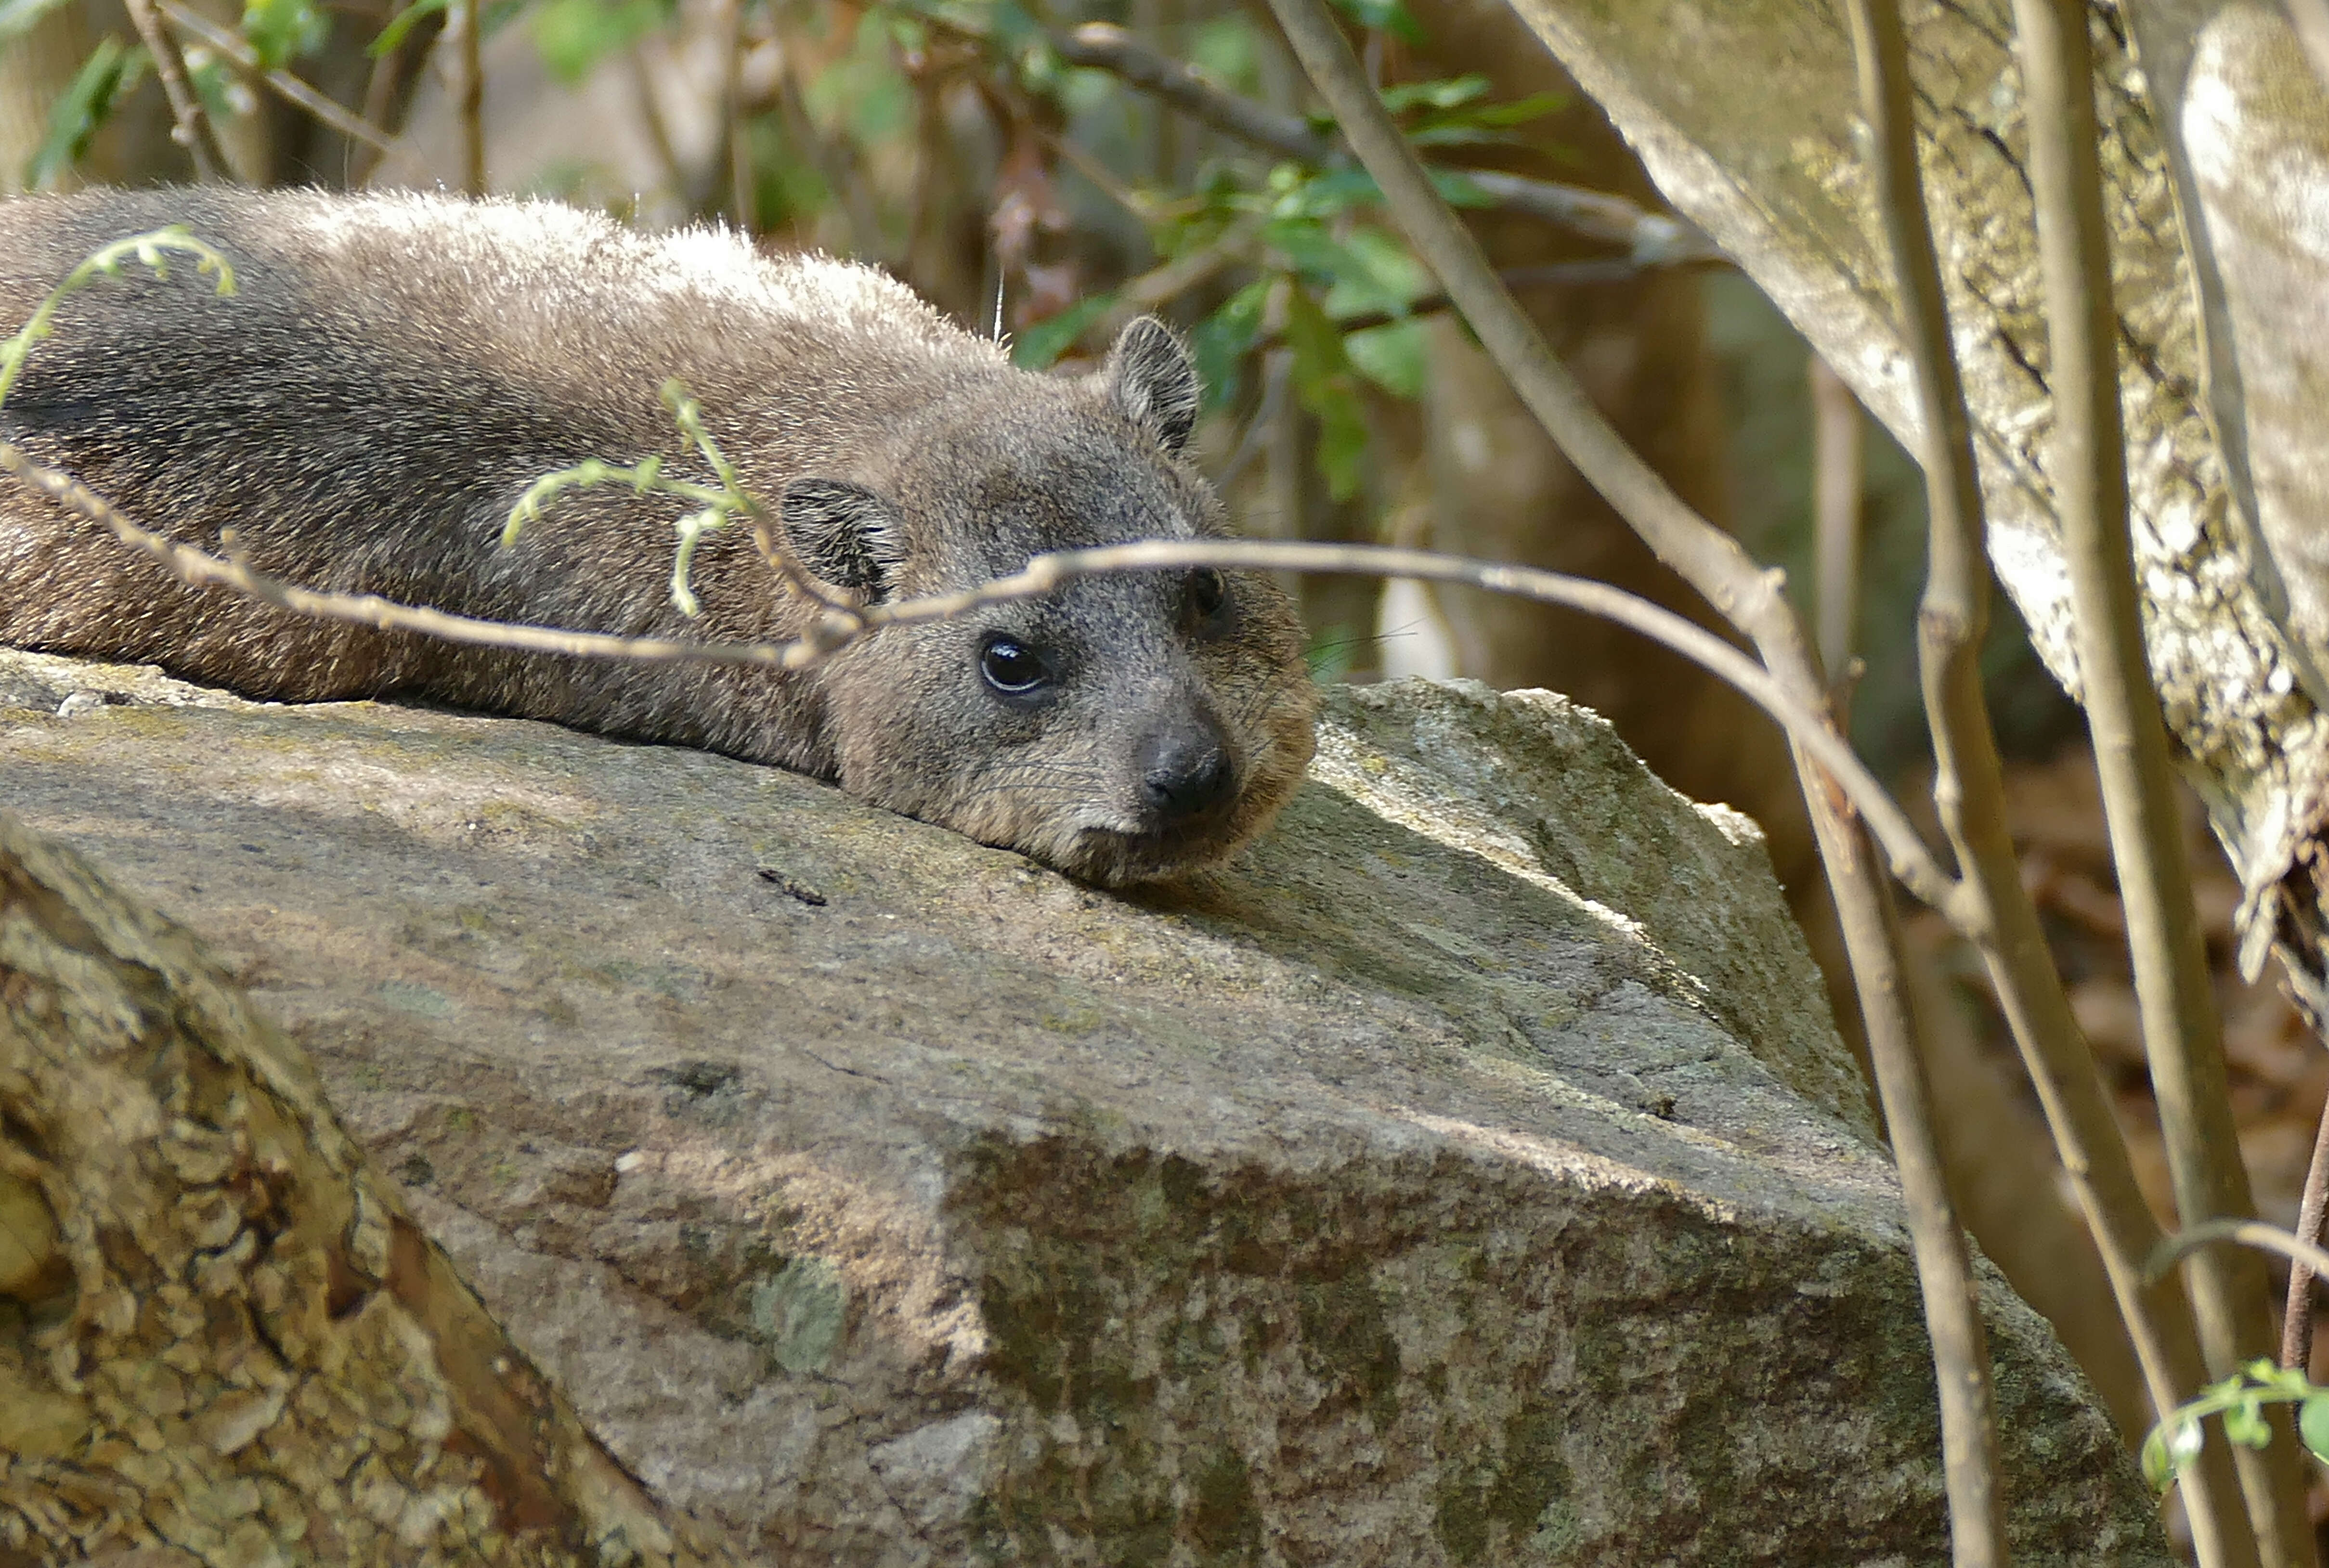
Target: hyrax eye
[(1207, 593), (1013, 668)]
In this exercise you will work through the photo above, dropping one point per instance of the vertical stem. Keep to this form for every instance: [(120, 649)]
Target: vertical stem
[(734, 136), (190, 126), (1839, 441), (1871, 935), (2296, 1318), (1969, 793), (380, 93), (2182, 1035), (468, 18), (835, 162), (1713, 563)]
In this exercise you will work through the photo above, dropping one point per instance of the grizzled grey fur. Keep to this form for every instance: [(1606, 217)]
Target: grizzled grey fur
[(395, 370)]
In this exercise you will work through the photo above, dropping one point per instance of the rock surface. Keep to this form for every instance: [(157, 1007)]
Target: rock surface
[(1467, 1175)]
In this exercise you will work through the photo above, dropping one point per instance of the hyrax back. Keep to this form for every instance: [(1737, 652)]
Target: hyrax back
[(394, 371)]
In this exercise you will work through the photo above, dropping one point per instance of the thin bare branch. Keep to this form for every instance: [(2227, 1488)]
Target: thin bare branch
[(1651, 238), (190, 125), (468, 19), (379, 94), (2246, 1233), (1163, 284), (1839, 472), (658, 127), (2296, 1313), (1998, 914), (2182, 1035), (194, 567), (1099, 177), (1103, 46), (1713, 563), (734, 143), (1519, 279), (843, 622), (1708, 559), (1969, 788), (290, 88)]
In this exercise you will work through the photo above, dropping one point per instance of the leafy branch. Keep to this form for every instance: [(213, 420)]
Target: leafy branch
[(2241, 1400)]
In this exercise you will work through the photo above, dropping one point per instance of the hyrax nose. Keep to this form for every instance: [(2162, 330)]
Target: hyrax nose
[(1184, 771)]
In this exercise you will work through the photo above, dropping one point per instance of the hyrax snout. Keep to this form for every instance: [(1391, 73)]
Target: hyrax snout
[(395, 370)]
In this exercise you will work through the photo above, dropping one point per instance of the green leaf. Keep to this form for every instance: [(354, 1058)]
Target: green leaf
[(403, 22), (1226, 48), (2171, 1445), (281, 31), (1457, 190), (2312, 1424), (1039, 346), (1450, 93), (223, 96), (1392, 356), (23, 16), (1448, 121), (2244, 1423), (1457, 133), (1520, 110), (1378, 273), (1329, 194), (1317, 343), (573, 36), (1322, 381), (2158, 1469), (81, 110), (1311, 248), (1224, 338), (1343, 443), (1384, 15)]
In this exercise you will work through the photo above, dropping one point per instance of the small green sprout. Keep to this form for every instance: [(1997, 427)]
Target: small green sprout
[(2241, 1400), (150, 250), (715, 506)]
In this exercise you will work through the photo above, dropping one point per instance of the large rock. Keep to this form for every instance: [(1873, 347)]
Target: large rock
[(1467, 1175)]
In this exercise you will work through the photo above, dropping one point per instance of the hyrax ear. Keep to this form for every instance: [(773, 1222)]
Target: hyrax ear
[(845, 534), (1153, 381)]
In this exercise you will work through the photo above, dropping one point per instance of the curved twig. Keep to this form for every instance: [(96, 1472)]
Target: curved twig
[(287, 86), (189, 124), (2246, 1233)]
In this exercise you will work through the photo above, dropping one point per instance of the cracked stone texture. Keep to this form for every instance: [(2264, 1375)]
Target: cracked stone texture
[(1467, 1175)]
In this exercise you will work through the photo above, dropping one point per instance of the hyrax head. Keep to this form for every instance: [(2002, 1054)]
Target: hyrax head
[(1121, 728)]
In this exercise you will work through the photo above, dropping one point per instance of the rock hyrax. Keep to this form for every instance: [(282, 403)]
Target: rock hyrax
[(395, 370)]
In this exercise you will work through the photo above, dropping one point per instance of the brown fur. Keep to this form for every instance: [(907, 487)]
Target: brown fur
[(395, 370)]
